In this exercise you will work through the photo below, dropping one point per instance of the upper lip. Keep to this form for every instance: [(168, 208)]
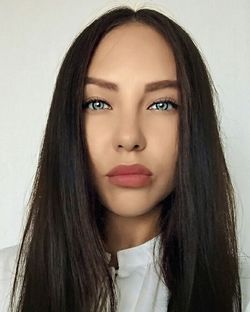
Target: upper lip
[(131, 169)]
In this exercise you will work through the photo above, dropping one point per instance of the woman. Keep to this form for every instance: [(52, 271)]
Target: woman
[(132, 207)]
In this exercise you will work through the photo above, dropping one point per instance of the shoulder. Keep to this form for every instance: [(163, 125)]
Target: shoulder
[(244, 264), (8, 258)]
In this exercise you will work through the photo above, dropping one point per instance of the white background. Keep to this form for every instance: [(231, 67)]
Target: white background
[(34, 37)]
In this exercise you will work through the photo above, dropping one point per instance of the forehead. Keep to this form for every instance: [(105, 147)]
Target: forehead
[(131, 53)]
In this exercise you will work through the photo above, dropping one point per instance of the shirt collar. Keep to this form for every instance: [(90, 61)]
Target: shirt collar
[(138, 255)]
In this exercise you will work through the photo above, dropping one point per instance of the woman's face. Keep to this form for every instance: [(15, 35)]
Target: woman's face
[(132, 56)]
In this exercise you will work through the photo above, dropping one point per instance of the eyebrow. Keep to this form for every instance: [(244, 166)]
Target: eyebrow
[(149, 87)]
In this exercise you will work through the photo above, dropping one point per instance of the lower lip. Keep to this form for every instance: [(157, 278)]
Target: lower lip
[(130, 180)]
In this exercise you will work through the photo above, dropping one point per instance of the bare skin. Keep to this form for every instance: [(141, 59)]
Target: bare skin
[(119, 227), (131, 56)]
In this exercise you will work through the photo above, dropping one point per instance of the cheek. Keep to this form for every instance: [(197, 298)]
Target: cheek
[(164, 149), (97, 141), (164, 139)]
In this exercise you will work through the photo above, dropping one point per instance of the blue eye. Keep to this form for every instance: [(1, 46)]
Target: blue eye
[(98, 104), (165, 103)]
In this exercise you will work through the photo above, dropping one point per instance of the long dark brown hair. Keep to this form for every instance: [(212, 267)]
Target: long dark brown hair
[(61, 261)]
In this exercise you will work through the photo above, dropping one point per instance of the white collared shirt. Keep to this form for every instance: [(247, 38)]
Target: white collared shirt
[(139, 284), (140, 287)]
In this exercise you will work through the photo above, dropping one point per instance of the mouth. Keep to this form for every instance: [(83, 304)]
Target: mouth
[(136, 169), (130, 180)]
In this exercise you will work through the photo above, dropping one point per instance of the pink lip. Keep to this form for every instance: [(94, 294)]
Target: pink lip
[(130, 180), (131, 176), (135, 169)]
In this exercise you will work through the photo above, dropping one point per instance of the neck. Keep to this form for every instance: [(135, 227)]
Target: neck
[(126, 232)]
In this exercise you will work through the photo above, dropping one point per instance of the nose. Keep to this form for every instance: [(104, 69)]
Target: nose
[(129, 135)]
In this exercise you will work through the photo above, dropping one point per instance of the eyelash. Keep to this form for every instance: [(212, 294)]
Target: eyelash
[(165, 100)]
